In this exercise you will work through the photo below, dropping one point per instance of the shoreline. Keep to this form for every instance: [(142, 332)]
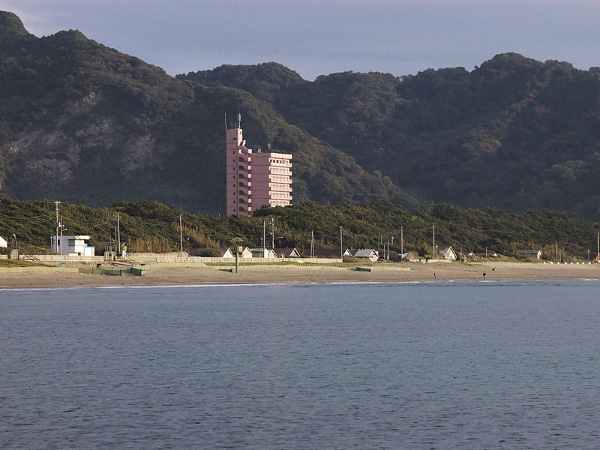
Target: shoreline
[(201, 275)]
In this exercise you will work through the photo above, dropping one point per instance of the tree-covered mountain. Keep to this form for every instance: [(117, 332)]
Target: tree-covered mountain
[(514, 133), (85, 123)]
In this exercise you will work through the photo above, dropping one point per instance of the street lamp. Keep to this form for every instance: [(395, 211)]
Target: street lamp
[(433, 246), (237, 247)]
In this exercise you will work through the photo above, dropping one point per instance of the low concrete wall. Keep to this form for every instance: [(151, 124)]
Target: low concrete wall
[(317, 260), (62, 258), (269, 260), (150, 258), (38, 269)]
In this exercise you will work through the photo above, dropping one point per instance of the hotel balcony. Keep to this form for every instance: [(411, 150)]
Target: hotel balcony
[(278, 171), (284, 181), (286, 188)]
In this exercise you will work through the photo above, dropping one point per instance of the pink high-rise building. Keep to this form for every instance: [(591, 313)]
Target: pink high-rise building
[(254, 179)]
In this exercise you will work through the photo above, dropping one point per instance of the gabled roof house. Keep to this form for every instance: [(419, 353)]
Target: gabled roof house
[(367, 253), (446, 253), (287, 253)]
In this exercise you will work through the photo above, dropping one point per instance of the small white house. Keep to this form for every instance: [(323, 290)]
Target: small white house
[(446, 253), (223, 252), (367, 253), (245, 253), (3, 243), (263, 253), (72, 246)]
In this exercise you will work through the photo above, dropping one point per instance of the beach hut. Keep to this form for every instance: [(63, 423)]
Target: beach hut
[(366, 253), (446, 253), (263, 253), (287, 253), (223, 252)]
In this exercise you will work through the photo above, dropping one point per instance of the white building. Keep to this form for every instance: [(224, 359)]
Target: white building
[(447, 253), (72, 246), (3, 242), (263, 253), (367, 253)]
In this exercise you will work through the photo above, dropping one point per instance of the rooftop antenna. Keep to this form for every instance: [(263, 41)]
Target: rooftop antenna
[(225, 121), (239, 120)]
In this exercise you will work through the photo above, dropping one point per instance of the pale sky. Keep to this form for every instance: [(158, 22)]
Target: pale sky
[(319, 37)]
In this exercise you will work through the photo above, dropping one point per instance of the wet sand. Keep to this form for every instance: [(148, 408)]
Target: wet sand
[(199, 274)]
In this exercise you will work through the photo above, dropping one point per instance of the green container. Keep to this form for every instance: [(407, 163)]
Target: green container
[(113, 272)]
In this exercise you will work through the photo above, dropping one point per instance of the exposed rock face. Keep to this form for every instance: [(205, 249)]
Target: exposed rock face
[(81, 144), (84, 123)]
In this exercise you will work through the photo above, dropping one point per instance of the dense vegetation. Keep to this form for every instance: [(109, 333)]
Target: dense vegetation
[(84, 123), (152, 226), (515, 133)]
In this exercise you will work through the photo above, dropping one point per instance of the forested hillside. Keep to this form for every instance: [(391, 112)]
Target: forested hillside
[(84, 123), (154, 227), (514, 133)]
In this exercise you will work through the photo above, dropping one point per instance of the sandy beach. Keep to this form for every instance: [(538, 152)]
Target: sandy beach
[(199, 274)]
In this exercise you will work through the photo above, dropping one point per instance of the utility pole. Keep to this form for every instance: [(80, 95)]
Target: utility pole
[(118, 236), (272, 232), (264, 237), (312, 244), (180, 237), (433, 252), (401, 243), (341, 246), (57, 227)]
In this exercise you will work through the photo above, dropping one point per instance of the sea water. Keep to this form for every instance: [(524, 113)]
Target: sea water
[(328, 366)]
